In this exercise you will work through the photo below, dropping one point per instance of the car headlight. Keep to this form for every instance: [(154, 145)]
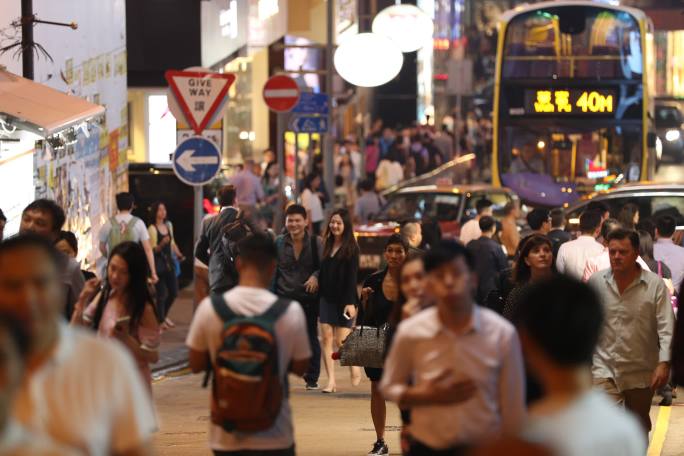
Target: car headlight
[(672, 135)]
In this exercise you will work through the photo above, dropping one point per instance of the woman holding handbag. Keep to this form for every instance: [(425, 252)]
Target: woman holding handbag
[(337, 285), (164, 247), (379, 294)]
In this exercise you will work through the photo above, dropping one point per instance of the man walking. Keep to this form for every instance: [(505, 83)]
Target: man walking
[(559, 337), (368, 204), (248, 188), (573, 255), (632, 359), (558, 235), (539, 221), (667, 251), (471, 229), (124, 226), (456, 365), (209, 245), (413, 233), (45, 218), (510, 236), (490, 260), (296, 278), (251, 298), (82, 391)]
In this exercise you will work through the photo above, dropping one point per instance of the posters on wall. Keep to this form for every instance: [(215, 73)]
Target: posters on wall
[(89, 62)]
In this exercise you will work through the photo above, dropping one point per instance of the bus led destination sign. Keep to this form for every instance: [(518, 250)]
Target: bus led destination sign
[(572, 101)]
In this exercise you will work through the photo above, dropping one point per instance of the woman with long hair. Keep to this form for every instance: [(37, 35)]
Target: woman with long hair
[(166, 253), (337, 285), (379, 295), (534, 263), (123, 308), (629, 216)]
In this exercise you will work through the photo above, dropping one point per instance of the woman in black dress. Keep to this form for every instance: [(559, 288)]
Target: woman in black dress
[(337, 285), (379, 294)]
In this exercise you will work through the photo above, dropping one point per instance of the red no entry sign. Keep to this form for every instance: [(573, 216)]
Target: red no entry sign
[(281, 93)]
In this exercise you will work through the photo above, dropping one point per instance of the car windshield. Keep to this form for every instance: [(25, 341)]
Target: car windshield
[(668, 116), (418, 206)]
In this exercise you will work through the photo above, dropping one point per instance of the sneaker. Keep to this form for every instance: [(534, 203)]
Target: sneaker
[(379, 447), (311, 386)]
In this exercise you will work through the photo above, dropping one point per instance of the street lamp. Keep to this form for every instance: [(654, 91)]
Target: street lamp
[(368, 60), (406, 25)]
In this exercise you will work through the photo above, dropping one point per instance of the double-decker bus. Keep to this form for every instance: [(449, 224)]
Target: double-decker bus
[(572, 108)]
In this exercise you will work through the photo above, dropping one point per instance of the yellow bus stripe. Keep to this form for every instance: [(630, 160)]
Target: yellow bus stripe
[(660, 432)]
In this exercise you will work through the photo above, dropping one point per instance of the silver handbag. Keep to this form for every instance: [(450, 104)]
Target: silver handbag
[(365, 347)]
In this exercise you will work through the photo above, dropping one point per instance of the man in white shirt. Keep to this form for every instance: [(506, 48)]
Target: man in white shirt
[(667, 251), (573, 255), (559, 337), (124, 226), (602, 261), (471, 229), (256, 265), (82, 391), (15, 440), (457, 366)]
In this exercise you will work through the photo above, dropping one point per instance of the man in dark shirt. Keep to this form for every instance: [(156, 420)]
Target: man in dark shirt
[(558, 235), (296, 277), (490, 259)]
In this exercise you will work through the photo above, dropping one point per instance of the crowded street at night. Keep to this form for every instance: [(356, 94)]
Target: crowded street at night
[(341, 227)]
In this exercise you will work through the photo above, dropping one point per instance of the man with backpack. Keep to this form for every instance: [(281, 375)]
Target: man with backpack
[(250, 340), (125, 226), (296, 277), (217, 244)]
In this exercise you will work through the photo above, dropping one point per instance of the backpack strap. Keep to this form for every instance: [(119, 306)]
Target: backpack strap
[(221, 308), (277, 309)]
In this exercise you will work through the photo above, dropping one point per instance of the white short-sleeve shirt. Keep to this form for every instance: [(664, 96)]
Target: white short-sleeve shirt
[(312, 203), (88, 396), (293, 344), (140, 232)]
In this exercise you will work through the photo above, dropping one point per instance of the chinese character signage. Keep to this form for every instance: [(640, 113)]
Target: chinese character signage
[(570, 101)]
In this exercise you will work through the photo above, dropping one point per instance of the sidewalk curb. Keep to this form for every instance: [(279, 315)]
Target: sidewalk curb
[(170, 368)]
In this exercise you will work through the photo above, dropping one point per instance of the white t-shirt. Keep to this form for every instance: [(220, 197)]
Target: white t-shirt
[(389, 173), (293, 344), (139, 229), (470, 231), (312, 203), (15, 440), (573, 255), (592, 425), (89, 396)]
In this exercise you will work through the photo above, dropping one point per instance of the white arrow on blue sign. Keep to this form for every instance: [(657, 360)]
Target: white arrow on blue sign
[(312, 103), (196, 161), (310, 124)]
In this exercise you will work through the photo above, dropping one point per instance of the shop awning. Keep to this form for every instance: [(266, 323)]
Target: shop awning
[(40, 109)]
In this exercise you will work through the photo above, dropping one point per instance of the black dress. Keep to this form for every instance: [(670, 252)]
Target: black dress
[(375, 313), (337, 284)]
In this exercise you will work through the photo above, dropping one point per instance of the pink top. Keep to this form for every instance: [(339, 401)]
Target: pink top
[(148, 333)]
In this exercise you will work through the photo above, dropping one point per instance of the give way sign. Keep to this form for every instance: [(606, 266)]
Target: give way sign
[(200, 95)]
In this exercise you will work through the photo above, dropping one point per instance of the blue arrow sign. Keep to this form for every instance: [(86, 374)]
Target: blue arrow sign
[(312, 103), (310, 124), (196, 161)]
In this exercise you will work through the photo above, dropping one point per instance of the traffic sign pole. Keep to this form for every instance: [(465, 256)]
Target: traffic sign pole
[(279, 215)]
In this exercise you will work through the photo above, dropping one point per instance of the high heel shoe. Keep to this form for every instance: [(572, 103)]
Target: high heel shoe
[(329, 390)]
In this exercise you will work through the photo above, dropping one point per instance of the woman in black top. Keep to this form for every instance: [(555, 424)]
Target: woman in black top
[(337, 285), (379, 294)]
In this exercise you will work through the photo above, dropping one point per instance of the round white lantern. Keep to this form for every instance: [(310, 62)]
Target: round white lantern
[(406, 25), (368, 60)]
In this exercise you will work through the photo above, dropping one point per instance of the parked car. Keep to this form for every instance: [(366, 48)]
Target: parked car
[(669, 123), (438, 207), (650, 198)]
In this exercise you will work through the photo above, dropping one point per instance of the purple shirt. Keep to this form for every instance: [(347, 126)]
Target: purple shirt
[(248, 188)]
